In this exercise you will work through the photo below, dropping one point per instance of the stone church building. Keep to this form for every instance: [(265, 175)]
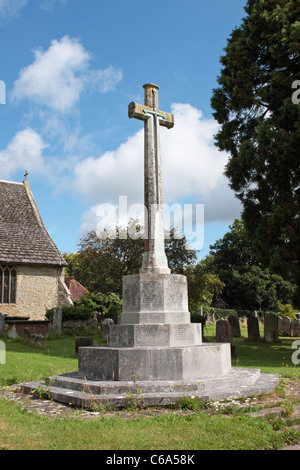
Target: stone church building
[(31, 266)]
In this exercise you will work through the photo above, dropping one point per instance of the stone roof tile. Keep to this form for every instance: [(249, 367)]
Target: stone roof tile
[(23, 236)]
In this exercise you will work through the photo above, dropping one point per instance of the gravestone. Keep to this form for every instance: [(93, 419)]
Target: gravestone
[(105, 328), (271, 328), (38, 341), (295, 327), (253, 328), (235, 325), (284, 326), (82, 341), (223, 332), (2, 324), (57, 321)]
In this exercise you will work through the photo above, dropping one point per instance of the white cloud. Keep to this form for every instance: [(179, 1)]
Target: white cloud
[(24, 152), (192, 171), (58, 76), (11, 7), (114, 173)]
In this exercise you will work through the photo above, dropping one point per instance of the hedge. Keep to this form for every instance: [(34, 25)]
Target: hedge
[(72, 313)]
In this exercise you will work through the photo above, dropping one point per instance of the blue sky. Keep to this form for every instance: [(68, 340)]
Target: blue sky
[(71, 67)]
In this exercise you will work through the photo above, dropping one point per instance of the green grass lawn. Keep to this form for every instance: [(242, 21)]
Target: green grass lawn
[(273, 358), (20, 430), (171, 431)]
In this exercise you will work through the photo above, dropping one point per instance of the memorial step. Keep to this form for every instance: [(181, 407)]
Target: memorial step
[(76, 391)]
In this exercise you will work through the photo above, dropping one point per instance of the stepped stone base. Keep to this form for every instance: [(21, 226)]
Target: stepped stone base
[(155, 356), (76, 390), (154, 363)]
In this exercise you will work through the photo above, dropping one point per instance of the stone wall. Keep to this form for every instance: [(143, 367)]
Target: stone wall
[(38, 288)]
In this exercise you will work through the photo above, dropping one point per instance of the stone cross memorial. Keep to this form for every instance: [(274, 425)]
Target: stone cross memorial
[(155, 346), (155, 339), (154, 256)]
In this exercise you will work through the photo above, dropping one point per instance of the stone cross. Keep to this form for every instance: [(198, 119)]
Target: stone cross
[(154, 259)]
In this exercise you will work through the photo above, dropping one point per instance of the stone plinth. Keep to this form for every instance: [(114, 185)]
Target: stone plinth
[(155, 340), (154, 363), (155, 298), (147, 335)]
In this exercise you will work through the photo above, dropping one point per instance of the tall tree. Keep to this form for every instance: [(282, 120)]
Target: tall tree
[(260, 128), (247, 283), (104, 258)]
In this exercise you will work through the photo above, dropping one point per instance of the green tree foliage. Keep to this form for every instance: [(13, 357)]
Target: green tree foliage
[(104, 258), (248, 284), (260, 128), (108, 304), (203, 289)]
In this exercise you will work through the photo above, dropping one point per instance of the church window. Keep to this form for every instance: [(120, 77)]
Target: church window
[(8, 285)]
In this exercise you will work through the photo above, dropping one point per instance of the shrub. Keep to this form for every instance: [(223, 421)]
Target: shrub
[(72, 313), (108, 304), (287, 310)]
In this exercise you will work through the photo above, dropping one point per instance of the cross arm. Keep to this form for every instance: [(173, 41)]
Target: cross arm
[(142, 112)]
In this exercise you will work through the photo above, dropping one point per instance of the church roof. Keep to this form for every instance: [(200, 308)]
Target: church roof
[(75, 288), (23, 236)]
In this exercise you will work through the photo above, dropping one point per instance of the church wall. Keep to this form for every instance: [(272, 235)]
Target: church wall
[(38, 289)]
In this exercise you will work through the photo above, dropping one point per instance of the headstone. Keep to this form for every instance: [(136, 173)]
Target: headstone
[(38, 340), (253, 328), (235, 325), (2, 324), (271, 328), (105, 328), (57, 321), (26, 333), (82, 341), (295, 327), (12, 332), (284, 326), (223, 332)]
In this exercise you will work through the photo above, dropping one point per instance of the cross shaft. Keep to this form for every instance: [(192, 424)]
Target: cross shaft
[(154, 259)]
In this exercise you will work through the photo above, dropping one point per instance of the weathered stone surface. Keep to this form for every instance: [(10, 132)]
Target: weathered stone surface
[(235, 325), (75, 389), (106, 325), (57, 321), (284, 326), (147, 335), (223, 332), (2, 324), (82, 341), (295, 327), (271, 328), (155, 298), (253, 328), (154, 363)]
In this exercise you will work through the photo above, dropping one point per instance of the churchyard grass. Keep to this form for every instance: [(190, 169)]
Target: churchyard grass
[(171, 430), (24, 362), (272, 358), (20, 430)]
